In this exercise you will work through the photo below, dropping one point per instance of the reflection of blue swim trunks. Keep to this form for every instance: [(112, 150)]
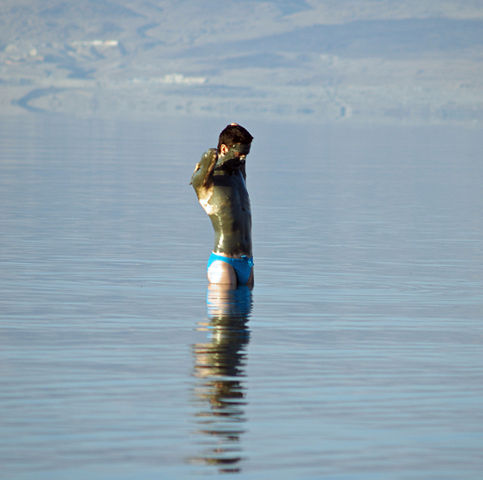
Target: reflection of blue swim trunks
[(242, 266)]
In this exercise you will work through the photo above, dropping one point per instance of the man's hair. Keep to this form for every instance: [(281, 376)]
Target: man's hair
[(233, 134)]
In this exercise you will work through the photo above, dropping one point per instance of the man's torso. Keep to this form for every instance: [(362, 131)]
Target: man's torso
[(225, 199)]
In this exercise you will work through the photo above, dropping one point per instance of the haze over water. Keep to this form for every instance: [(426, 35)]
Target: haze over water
[(358, 355)]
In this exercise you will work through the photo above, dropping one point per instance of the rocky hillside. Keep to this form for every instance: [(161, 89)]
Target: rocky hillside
[(346, 60)]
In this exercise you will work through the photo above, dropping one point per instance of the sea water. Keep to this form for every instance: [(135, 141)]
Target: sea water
[(358, 355)]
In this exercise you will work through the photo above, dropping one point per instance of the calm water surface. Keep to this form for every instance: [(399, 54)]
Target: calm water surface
[(358, 355)]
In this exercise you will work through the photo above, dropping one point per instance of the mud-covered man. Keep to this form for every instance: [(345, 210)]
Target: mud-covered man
[(219, 182)]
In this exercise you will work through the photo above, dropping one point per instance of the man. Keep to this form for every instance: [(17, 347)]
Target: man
[(219, 182)]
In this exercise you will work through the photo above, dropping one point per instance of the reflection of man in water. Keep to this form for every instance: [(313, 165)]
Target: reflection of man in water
[(219, 367), (219, 182)]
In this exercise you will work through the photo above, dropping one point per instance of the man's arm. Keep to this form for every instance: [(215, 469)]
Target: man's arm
[(202, 176)]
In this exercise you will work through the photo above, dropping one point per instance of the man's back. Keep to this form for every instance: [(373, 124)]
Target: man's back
[(231, 214)]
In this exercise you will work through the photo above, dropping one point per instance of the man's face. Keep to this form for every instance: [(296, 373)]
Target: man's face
[(239, 150), (233, 157)]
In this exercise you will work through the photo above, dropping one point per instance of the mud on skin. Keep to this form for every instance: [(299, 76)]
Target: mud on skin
[(219, 182)]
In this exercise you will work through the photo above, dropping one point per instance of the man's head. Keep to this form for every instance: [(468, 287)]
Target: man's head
[(234, 134)]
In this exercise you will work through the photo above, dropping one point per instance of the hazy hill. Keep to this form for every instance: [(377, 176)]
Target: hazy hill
[(412, 61)]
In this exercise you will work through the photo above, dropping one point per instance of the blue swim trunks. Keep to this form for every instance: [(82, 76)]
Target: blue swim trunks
[(242, 266)]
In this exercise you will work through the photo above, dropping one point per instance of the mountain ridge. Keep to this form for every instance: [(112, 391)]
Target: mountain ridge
[(268, 58)]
